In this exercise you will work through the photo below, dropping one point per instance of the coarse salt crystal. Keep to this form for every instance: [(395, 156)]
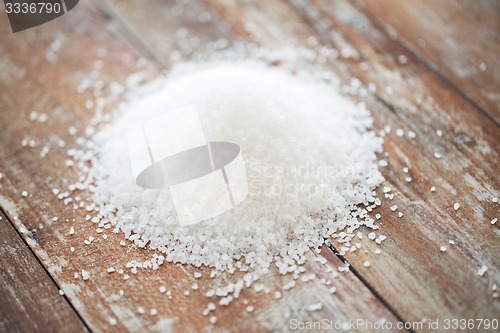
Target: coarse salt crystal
[(314, 307), (456, 206), (482, 270)]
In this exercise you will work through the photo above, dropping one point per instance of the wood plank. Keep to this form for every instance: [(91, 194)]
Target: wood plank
[(21, 309), (412, 274), (459, 39), (48, 79)]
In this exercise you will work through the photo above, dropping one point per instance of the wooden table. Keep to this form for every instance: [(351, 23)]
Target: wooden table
[(435, 66)]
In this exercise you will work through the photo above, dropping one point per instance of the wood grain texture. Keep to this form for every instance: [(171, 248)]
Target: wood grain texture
[(412, 275), (460, 39), (30, 300), (65, 70)]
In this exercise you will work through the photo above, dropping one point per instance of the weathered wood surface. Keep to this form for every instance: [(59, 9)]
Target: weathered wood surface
[(30, 301), (50, 84), (411, 268), (459, 39), (411, 275)]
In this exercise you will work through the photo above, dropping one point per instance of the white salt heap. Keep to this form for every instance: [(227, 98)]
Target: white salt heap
[(309, 156)]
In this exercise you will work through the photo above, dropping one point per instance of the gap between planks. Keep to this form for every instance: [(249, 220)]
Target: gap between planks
[(46, 274)]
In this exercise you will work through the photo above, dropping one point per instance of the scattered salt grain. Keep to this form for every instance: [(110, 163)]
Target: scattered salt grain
[(443, 248), (452, 242), (456, 206), (61, 292), (394, 207), (482, 270), (111, 270), (85, 274), (140, 310), (433, 188), (399, 132), (367, 264), (437, 155), (314, 307), (113, 321), (71, 231), (24, 194), (494, 220), (153, 312), (163, 289), (213, 320), (250, 308), (402, 59), (439, 133)]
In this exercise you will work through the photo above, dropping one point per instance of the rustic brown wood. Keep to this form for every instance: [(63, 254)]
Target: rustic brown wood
[(38, 75), (454, 37), (30, 299), (411, 274)]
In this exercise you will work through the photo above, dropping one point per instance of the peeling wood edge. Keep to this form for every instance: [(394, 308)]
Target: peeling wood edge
[(34, 255)]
